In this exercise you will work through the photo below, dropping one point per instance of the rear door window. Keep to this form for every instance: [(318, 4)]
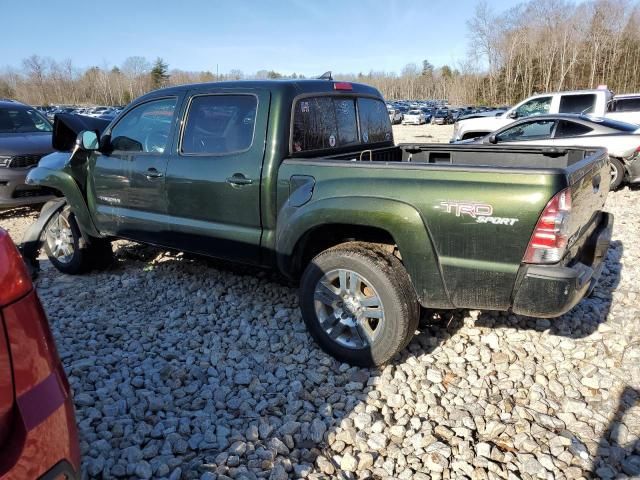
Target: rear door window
[(328, 122), (577, 103), (571, 129), (219, 124), (627, 104)]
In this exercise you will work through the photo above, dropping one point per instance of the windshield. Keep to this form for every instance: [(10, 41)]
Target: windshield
[(415, 112), (22, 120)]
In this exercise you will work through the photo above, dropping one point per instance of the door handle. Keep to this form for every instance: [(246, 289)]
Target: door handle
[(239, 180), (153, 173)]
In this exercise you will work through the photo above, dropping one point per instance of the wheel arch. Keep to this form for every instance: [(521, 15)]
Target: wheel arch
[(305, 231), (67, 186)]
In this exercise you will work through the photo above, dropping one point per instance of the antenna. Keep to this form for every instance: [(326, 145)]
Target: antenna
[(326, 76)]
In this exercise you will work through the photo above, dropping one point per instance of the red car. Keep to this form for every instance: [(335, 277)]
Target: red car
[(38, 435)]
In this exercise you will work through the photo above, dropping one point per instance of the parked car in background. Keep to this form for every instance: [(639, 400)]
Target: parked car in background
[(625, 108), (52, 113), (38, 434), (97, 111), (25, 136), (395, 115), (428, 114), (413, 117), (456, 114), (597, 102), (442, 117), (307, 179), (622, 140)]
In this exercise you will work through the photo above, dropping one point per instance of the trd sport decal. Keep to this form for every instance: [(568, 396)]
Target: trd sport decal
[(480, 212)]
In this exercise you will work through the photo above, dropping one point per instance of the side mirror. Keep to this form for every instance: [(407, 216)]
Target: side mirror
[(513, 114), (88, 140), (493, 139)]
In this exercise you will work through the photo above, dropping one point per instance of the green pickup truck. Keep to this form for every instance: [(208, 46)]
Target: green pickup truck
[(304, 176)]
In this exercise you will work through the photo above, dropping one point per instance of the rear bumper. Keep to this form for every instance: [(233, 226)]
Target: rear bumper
[(633, 169), (552, 290)]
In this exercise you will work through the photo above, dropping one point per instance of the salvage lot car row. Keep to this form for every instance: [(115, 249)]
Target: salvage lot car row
[(362, 295)]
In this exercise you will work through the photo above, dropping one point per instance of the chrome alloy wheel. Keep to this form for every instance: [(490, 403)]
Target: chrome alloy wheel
[(348, 308), (60, 239), (614, 174)]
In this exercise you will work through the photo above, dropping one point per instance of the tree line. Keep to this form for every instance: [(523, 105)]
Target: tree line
[(537, 46)]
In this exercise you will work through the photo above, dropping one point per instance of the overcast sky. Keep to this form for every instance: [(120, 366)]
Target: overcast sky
[(288, 36)]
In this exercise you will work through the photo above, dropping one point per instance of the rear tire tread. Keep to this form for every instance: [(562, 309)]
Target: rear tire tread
[(402, 309)]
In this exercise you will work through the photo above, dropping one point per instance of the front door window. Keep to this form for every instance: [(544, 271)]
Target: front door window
[(536, 106), (538, 130), (145, 129)]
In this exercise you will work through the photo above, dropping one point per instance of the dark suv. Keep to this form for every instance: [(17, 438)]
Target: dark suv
[(25, 136)]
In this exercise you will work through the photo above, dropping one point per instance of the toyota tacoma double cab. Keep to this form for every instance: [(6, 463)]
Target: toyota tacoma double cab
[(304, 176)]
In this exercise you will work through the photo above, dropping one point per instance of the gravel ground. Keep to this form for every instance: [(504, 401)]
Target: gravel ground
[(184, 368)]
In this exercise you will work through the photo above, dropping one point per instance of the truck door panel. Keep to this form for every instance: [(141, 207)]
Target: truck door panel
[(127, 185), (213, 183)]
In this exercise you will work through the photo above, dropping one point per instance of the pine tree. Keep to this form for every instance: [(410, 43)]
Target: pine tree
[(159, 73)]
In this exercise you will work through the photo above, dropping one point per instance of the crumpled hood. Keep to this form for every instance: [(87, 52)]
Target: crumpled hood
[(67, 126), (36, 143)]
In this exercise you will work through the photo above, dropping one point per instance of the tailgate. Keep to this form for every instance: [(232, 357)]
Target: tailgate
[(6, 386), (589, 180)]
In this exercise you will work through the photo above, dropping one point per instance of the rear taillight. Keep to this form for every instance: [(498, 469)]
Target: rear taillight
[(549, 239), (15, 282)]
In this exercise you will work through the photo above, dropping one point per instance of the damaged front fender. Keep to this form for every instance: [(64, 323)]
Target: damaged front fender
[(65, 184)]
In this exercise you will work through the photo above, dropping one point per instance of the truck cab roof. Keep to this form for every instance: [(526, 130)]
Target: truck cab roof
[(288, 86)]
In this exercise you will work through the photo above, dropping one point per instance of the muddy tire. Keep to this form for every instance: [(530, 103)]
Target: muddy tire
[(359, 304), (68, 250)]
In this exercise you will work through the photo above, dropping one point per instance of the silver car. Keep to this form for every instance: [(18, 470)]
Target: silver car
[(622, 140), (25, 137)]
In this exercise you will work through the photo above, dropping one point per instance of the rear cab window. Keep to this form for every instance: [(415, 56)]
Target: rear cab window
[(337, 122)]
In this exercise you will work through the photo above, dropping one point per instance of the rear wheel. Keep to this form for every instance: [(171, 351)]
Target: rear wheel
[(617, 173), (68, 250), (358, 303)]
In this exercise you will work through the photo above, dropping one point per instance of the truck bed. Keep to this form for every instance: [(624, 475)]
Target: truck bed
[(526, 157), (473, 264)]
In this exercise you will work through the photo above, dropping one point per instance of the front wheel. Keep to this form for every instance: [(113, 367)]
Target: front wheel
[(68, 250), (358, 304), (617, 173)]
